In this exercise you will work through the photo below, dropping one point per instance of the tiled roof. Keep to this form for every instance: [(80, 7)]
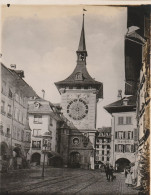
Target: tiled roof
[(118, 106), (104, 129)]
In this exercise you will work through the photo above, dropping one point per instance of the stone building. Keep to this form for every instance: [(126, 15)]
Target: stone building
[(14, 128), (103, 145), (124, 132), (137, 72), (79, 95), (44, 120)]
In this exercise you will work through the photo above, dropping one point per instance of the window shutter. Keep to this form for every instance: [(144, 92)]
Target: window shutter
[(116, 135), (115, 147), (132, 148), (135, 135)]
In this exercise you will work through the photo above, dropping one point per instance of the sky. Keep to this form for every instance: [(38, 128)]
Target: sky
[(43, 40)]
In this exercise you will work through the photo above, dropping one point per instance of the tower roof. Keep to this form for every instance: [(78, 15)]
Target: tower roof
[(82, 45), (119, 106), (80, 76)]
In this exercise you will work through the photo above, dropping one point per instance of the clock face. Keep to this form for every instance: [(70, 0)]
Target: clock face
[(77, 109)]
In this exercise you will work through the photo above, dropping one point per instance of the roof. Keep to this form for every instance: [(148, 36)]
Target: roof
[(82, 45), (20, 83), (84, 80), (104, 129), (119, 106)]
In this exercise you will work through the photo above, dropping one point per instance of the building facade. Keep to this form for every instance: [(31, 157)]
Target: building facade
[(44, 121), (79, 96), (14, 127), (103, 146), (137, 74), (124, 132)]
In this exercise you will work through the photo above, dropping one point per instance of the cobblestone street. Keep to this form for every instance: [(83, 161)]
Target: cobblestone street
[(63, 181)]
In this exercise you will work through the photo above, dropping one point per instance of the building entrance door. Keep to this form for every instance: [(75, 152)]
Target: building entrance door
[(75, 159), (36, 158)]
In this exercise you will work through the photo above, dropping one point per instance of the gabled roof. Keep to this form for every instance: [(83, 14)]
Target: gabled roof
[(119, 106)]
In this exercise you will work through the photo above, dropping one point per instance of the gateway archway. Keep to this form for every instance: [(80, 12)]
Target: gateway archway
[(75, 159), (35, 158), (121, 164)]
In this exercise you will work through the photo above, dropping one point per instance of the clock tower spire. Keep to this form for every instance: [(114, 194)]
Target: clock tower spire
[(81, 52)]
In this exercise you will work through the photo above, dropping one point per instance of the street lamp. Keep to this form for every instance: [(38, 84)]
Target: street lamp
[(44, 151)]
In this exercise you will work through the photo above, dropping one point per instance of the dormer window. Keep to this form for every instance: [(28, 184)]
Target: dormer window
[(78, 76)]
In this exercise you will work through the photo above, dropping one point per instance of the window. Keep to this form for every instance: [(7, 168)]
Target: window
[(120, 120), (102, 140), (28, 136), (108, 158), (121, 148), (103, 146), (102, 158), (127, 148), (36, 144), (128, 120), (124, 135), (3, 107), (102, 152), (120, 134), (36, 132), (108, 152), (129, 134), (51, 121), (8, 132), (10, 94), (37, 119), (4, 87), (9, 113), (108, 146), (97, 146), (116, 135)]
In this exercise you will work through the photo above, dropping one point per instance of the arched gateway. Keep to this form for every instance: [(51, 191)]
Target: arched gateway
[(121, 164), (36, 158), (75, 159)]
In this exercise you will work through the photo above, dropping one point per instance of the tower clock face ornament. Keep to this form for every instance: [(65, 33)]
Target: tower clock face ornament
[(77, 109)]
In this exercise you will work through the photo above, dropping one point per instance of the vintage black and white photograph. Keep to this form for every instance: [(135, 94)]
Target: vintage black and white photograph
[(75, 99)]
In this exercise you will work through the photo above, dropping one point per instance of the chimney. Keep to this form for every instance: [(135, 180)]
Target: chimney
[(119, 96), (125, 101)]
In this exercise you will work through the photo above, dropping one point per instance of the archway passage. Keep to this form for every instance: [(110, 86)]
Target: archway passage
[(36, 158), (75, 159), (121, 164), (18, 151), (4, 150)]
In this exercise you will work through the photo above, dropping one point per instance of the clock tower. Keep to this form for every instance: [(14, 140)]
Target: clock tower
[(80, 94)]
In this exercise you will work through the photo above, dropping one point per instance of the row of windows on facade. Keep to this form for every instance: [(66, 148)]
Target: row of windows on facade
[(38, 120), (38, 132), (124, 135), (18, 98), (102, 158), (125, 148), (38, 144), (125, 120), (17, 134), (103, 152), (103, 146), (104, 134), (103, 140), (18, 115)]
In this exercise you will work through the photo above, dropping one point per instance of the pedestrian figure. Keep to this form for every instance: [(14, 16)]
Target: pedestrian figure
[(125, 172), (106, 167), (111, 173), (128, 180)]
